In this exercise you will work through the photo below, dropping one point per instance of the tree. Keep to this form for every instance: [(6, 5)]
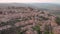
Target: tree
[(57, 20), (3, 23), (48, 29), (37, 28)]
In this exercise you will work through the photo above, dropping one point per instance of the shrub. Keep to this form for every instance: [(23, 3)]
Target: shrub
[(37, 28), (3, 23), (42, 12), (57, 20), (43, 18), (48, 29)]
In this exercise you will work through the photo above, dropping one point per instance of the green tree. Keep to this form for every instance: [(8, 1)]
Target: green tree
[(37, 28), (57, 20), (48, 29)]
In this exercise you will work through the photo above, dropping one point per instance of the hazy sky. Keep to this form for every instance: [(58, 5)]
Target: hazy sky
[(30, 1)]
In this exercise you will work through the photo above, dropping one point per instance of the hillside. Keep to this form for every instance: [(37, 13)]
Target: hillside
[(26, 20), (50, 7)]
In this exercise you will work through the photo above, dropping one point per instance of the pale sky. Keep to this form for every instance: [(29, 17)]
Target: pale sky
[(30, 1)]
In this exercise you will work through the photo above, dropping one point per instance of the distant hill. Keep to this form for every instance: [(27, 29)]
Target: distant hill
[(45, 5), (33, 5), (51, 7)]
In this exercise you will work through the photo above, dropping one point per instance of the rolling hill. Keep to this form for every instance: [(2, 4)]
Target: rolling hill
[(51, 7)]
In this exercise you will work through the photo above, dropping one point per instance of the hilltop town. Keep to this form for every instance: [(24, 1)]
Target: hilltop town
[(26, 20)]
